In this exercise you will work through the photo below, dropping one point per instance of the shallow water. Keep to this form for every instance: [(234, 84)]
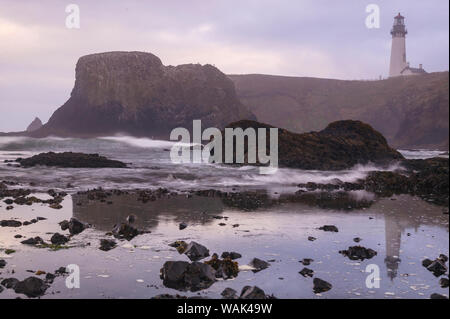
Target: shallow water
[(278, 234)]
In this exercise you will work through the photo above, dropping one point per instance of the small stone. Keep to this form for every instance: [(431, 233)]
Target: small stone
[(321, 285), (438, 296), (182, 226), (229, 293), (443, 282), (259, 264), (306, 272), (107, 244), (254, 292), (306, 261), (232, 255), (329, 228)]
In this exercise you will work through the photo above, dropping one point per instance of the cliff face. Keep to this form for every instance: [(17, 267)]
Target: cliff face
[(411, 112), (134, 93)]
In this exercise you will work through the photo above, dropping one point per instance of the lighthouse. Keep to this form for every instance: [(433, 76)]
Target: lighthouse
[(398, 65)]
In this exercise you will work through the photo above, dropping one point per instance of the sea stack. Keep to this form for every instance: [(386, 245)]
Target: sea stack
[(35, 125), (134, 93)]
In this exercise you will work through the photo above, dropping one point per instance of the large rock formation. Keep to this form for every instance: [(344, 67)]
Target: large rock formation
[(134, 93), (409, 111), (35, 125), (340, 145)]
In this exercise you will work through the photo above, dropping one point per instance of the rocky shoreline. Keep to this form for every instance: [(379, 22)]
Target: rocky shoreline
[(427, 179)]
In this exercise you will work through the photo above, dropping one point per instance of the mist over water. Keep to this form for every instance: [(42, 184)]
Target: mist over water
[(150, 167)]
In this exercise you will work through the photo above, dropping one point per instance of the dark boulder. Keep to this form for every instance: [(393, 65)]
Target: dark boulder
[(196, 252), (329, 228), (107, 244), (258, 264), (49, 278), (2, 263), (75, 226), (229, 293), (125, 231), (306, 261), (438, 296), (437, 267), (184, 276), (33, 241), (306, 272), (182, 226), (64, 225), (249, 292), (321, 285), (10, 223), (232, 255), (58, 239), (31, 287), (71, 160), (9, 283), (443, 282), (358, 253)]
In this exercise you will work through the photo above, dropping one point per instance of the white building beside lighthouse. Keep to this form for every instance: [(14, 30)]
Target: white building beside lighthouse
[(398, 65)]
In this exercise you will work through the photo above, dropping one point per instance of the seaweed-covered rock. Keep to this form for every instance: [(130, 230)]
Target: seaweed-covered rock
[(232, 255), (225, 268), (341, 145), (72, 160)]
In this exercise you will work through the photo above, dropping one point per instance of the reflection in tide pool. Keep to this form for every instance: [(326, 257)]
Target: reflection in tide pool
[(403, 230)]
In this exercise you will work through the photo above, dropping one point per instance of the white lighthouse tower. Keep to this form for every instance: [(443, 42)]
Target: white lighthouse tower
[(398, 50), (398, 65)]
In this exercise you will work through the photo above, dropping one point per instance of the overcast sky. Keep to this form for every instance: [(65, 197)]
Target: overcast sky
[(285, 37)]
